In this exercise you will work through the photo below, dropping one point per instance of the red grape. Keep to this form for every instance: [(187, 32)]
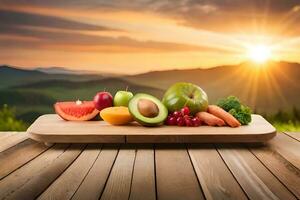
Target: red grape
[(185, 110), (188, 122), (167, 120), (177, 114), (180, 121), (196, 121), (186, 117), (172, 121)]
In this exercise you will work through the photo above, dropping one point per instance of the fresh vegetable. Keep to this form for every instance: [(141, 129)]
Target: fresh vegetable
[(233, 105), (116, 115), (210, 119), (229, 103), (222, 114), (243, 114)]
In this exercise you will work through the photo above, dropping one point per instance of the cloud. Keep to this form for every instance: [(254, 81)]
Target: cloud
[(75, 41), (235, 15), (165, 6), (214, 15), (14, 18)]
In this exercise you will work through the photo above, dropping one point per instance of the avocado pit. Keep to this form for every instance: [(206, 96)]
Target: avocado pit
[(147, 108)]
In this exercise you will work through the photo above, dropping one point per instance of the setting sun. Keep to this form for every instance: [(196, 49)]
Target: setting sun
[(259, 53)]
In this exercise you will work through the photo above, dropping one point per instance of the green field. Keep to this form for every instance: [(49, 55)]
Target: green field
[(287, 126)]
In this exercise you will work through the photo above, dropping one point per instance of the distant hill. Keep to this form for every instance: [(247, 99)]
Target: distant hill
[(68, 90), (266, 89), (59, 70), (63, 70), (12, 76)]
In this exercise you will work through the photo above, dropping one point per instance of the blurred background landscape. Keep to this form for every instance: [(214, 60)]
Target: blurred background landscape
[(67, 50)]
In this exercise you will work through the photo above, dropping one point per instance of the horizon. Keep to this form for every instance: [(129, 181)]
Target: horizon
[(86, 72), (137, 37)]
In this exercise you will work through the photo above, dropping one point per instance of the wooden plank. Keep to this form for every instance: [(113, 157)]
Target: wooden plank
[(18, 155), (295, 135), (12, 140), (187, 138), (255, 179), (41, 179), (288, 147), (93, 184), (279, 166), (216, 180), (14, 181), (52, 129), (143, 179), (119, 181), (175, 176), (66, 185)]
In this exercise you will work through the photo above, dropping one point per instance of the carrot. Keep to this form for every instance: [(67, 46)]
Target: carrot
[(227, 117), (210, 119)]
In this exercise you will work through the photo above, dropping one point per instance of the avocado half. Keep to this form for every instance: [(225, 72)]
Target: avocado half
[(143, 120)]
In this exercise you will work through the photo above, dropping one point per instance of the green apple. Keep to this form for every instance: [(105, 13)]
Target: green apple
[(122, 98), (185, 94)]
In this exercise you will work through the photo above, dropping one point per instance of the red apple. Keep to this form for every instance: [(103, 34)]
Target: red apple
[(103, 100)]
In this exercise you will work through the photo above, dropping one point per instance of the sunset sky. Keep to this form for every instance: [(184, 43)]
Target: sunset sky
[(134, 36)]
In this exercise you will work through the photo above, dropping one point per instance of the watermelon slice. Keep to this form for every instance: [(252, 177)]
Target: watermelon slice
[(76, 111)]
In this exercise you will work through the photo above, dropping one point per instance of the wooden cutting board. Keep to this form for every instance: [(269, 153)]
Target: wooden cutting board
[(52, 129)]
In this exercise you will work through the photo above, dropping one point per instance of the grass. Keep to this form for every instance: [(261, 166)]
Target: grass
[(8, 121), (287, 126)]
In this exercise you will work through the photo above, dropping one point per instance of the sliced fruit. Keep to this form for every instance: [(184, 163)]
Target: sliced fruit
[(76, 111), (116, 115), (147, 110)]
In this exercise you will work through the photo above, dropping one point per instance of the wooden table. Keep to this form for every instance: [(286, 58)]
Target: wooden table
[(30, 170)]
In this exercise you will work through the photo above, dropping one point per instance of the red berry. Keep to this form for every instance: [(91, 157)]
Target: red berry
[(177, 114), (185, 110), (196, 121), (188, 122), (167, 120), (180, 121), (186, 117), (172, 121)]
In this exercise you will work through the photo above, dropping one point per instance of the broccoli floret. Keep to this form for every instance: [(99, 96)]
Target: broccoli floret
[(243, 115), (233, 105), (229, 103)]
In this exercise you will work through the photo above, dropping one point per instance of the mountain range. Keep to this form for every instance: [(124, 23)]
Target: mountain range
[(266, 88)]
